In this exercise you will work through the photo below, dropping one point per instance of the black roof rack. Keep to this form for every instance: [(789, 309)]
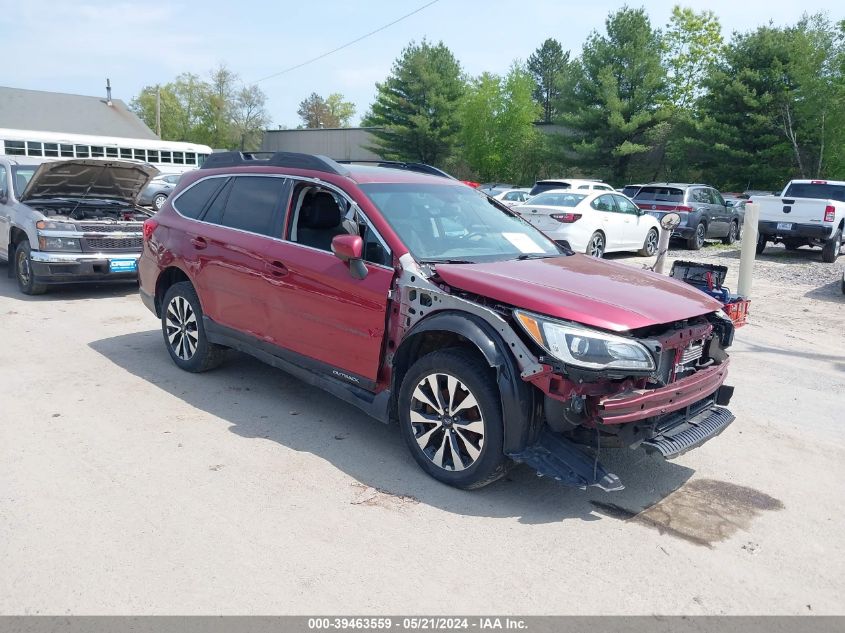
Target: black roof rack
[(293, 160), (421, 168)]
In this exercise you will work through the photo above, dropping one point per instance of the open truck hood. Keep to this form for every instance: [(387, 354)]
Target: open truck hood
[(583, 289), (89, 178)]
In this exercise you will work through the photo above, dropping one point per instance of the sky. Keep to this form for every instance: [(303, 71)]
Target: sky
[(74, 46)]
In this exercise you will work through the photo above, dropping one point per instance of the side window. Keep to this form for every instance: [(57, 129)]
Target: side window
[(193, 200), (375, 250), (4, 183), (603, 203), (254, 204), (584, 187), (317, 217), (717, 198), (700, 196), (625, 205)]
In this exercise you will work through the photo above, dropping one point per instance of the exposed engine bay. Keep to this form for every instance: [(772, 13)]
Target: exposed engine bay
[(90, 210)]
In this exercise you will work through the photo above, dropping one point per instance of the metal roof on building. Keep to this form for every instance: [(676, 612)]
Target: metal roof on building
[(73, 114)]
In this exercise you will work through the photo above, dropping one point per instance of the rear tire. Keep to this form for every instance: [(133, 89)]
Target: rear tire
[(184, 332), (650, 245), (596, 245), (23, 271), (459, 441), (158, 201), (832, 247), (697, 240), (761, 244), (733, 232)]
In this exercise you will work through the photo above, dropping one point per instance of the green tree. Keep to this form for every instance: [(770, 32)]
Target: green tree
[(693, 43), (416, 107), (499, 140), (218, 109), (249, 117), (774, 108), (547, 66), (340, 111), (613, 104)]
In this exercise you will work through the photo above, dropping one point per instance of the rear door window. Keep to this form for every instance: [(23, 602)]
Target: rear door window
[(661, 194), (255, 205), (193, 200), (701, 196), (604, 203)]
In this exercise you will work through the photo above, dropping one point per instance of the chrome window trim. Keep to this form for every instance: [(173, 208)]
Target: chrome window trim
[(315, 181)]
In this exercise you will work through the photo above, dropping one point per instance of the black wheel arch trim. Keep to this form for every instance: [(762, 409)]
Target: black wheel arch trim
[(520, 405)]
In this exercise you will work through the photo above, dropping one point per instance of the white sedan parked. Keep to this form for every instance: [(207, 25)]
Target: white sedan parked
[(512, 196), (592, 222)]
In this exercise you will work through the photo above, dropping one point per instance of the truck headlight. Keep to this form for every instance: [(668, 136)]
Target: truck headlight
[(584, 347), (59, 244), (50, 225)]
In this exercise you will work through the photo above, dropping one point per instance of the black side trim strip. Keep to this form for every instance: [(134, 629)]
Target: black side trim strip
[(336, 381)]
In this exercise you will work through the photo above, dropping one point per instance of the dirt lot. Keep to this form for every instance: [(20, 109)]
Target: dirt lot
[(128, 486)]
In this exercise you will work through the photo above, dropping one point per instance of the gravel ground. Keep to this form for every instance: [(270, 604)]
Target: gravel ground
[(802, 267)]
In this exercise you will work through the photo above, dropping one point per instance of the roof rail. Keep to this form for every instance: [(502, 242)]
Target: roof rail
[(421, 168), (293, 160)]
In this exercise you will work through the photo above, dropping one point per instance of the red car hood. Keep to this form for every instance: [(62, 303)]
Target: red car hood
[(583, 289)]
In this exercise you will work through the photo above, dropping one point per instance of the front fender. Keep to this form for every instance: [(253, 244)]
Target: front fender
[(520, 405)]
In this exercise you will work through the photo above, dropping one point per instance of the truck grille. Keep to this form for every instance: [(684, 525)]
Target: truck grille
[(114, 244), (109, 228)]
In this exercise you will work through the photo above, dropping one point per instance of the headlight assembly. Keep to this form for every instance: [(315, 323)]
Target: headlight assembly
[(58, 244), (51, 225), (583, 347)]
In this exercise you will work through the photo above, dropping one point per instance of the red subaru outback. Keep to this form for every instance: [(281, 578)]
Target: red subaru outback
[(423, 302)]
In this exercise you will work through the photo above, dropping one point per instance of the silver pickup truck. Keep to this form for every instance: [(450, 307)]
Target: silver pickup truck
[(71, 221)]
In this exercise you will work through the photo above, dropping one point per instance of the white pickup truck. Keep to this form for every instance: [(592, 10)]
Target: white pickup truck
[(807, 213)]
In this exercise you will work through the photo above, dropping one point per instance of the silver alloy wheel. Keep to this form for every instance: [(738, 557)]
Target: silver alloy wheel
[(181, 326), (446, 422), (23, 267), (651, 242), (158, 201), (700, 232), (732, 233), (596, 246)]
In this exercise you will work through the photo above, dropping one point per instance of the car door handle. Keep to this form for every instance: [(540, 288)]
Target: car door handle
[(276, 268), (199, 242)]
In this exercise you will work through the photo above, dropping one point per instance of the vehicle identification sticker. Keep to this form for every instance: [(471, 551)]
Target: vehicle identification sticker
[(524, 243), (123, 265), (784, 226)]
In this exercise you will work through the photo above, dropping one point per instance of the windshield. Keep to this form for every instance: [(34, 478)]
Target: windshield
[(453, 223), (822, 191), (557, 199), (21, 175)]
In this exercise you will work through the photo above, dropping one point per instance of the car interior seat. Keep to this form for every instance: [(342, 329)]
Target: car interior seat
[(319, 221)]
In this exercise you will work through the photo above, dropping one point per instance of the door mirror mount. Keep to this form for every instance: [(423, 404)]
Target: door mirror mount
[(350, 250)]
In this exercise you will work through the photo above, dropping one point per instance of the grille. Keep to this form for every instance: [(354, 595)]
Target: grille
[(109, 228), (117, 243)]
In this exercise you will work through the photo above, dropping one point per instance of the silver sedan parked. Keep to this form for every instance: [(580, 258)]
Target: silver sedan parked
[(155, 193)]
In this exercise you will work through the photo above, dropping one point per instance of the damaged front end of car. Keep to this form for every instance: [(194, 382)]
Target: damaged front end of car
[(569, 390)]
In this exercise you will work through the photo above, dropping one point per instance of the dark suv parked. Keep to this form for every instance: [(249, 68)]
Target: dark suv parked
[(704, 213), (424, 302)]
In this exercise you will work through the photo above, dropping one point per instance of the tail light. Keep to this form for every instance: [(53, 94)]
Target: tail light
[(829, 213), (818, 182), (566, 218), (149, 227), (683, 208)]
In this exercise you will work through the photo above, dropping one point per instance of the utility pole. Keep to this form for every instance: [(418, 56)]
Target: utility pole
[(158, 111)]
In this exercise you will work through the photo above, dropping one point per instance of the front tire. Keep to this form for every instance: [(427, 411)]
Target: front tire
[(158, 201), (184, 332), (23, 271), (596, 245), (451, 419), (650, 245), (697, 240), (832, 247)]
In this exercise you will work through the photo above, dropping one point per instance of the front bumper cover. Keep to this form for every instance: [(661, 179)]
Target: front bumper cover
[(60, 268)]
